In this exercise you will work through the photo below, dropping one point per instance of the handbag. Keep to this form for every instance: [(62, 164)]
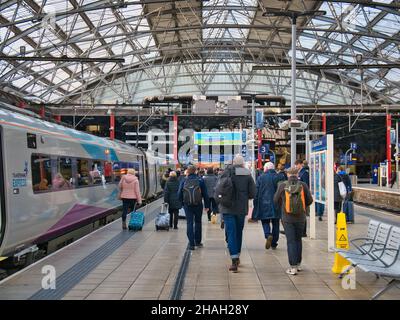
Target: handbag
[(342, 189)]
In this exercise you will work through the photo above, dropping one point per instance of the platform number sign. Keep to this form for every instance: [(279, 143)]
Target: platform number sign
[(353, 146)]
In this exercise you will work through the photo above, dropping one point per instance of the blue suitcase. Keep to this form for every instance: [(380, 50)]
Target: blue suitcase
[(348, 209), (136, 221)]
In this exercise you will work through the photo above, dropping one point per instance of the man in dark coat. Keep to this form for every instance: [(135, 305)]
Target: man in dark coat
[(264, 208), (171, 197), (244, 189)]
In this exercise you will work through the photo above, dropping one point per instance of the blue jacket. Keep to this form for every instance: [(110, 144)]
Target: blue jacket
[(264, 207), (202, 187), (304, 175)]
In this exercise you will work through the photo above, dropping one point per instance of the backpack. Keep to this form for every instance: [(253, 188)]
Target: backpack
[(295, 202), (192, 192), (223, 194)]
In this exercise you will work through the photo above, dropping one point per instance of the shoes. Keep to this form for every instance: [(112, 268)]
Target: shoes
[(320, 218), (268, 242), (176, 228), (291, 271), (222, 224), (234, 266), (273, 248), (299, 268), (124, 227), (191, 247), (199, 245), (350, 222)]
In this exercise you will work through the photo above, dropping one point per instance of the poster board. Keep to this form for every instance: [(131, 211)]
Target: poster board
[(321, 183)]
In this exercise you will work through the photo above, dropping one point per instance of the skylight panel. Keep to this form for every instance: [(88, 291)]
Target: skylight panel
[(389, 25)]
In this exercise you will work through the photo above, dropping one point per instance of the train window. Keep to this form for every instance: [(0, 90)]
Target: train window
[(83, 172), (108, 171), (41, 173), (63, 178), (116, 167), (96, 172)]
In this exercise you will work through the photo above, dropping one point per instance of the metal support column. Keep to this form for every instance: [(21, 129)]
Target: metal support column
[(253, 120), (293, 137), (388, 149), (112, 126)]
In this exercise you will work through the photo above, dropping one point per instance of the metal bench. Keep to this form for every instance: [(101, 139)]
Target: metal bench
[(377, 237), (383, 261)]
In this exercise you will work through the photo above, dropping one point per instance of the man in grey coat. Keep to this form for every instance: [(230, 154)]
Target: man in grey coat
[(244, 189)]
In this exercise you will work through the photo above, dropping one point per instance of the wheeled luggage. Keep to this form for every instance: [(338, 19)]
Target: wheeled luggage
[(136, 220), (348, 209), (162, 219)]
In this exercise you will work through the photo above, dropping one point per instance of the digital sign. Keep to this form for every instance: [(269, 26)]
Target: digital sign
[(217, 138)]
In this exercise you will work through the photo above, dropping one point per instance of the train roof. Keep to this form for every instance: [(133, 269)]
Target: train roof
[(38, 125)]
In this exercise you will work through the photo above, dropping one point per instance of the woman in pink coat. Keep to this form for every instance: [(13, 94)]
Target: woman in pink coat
[(129, 194)]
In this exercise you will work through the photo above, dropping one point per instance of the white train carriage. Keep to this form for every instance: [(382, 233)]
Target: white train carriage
[(55, 179)]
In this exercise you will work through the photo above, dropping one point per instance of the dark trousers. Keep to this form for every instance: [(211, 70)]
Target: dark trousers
[(271, 227), (338, 208), (128, 205), (193, 220), (173, 217), (234, 232), (294, 232), (319, 209), (213, 208)]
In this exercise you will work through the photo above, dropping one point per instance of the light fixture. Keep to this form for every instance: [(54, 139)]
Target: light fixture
[(359, 58)]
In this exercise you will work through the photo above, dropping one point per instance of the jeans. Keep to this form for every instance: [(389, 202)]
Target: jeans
[(266, 224), (193, 221), (173, 217), (319, 209), (294, 232), (213, 208), (128, 205), (234, 231)]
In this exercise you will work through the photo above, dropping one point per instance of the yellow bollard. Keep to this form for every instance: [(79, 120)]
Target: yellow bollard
[(342, 242)]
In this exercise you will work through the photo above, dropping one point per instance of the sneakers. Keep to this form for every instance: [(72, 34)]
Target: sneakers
[(273, 248), (199, 245), (268, 242), (291, 271), (320, 218), (299, 268), (124, 227)]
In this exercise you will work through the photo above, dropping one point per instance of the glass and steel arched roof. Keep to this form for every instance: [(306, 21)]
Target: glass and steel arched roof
[(198, 47)]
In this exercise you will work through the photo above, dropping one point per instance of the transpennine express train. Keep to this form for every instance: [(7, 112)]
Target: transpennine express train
[(54, 180)]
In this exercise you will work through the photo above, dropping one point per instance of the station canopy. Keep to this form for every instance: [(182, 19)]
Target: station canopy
[(198, 47)]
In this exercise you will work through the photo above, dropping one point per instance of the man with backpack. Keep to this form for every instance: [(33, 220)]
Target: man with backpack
[(191, 192), (233, 191), (293, 196), (304, 176)]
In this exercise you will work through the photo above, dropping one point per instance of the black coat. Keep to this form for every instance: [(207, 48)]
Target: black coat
[(171, 193)]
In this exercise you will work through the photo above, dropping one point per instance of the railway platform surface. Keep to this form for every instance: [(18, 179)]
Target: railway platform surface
[(375, 187), (115, 264)]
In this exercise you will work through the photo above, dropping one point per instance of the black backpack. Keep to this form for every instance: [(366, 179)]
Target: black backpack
[(294, 198), (192, 192), (224, 189)]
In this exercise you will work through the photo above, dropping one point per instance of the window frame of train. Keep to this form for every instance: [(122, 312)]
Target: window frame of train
[(75, 168)]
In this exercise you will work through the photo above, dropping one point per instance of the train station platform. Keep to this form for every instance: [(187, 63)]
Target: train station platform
[(115, 264)]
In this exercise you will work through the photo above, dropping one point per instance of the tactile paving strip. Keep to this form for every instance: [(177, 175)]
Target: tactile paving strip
[(76, 273)]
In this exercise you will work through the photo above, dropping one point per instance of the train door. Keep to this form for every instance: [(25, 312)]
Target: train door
[(2, 191)]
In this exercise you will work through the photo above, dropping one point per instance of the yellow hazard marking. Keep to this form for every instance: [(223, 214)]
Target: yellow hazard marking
[(342, 238)]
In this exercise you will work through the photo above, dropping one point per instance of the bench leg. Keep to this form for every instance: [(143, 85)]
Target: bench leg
[(346, 270), (387, 287)]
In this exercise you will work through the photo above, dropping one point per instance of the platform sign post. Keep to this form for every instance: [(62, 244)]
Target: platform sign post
[(321, 184)]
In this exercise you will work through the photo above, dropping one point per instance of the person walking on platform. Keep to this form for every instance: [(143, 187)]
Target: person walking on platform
[(191, 192), (348, 206), (210, 180), (304, 176), (129, 193), (293, 196), (264, 208), (233, 191), (338, 200), (281, 172), (171, 197)]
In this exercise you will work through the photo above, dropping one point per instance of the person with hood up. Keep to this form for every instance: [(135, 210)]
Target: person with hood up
[(129, 194)]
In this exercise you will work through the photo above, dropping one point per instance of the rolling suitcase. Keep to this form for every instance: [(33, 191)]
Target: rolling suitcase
[(348, 209), (162, 219), (136, 220)]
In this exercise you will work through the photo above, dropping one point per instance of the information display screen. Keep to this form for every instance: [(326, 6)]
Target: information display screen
[(217, 138)]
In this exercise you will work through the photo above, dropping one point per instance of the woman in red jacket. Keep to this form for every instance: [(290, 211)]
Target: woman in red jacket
[(129, 194)]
